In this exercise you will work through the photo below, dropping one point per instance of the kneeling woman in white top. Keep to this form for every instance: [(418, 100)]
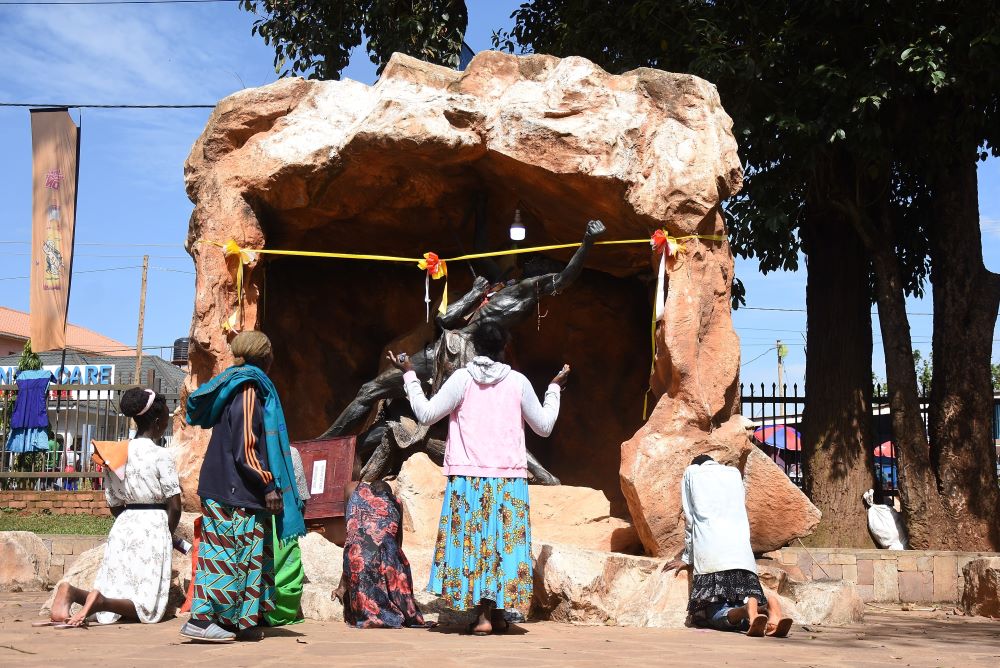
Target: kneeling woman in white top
[(133, 582), (725, 592)]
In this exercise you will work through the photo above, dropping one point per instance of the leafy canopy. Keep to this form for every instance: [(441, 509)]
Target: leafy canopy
[(872, 88), (314, 38)]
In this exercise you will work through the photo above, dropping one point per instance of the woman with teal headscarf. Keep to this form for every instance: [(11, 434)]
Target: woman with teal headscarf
[(247, 489)]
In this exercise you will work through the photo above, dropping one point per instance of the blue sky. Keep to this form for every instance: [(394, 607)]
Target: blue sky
[(132, 196)]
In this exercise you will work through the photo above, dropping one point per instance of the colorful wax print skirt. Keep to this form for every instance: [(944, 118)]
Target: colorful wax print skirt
[(234, 583), (379, 584), (733, 587), (483, 548)]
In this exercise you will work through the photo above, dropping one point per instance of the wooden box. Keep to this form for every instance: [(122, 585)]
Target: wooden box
[(328, 463)]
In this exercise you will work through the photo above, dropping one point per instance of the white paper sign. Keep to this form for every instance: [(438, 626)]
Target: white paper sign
[(318, 477)]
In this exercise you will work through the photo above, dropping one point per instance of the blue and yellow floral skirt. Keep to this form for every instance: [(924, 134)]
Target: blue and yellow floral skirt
[(483, 548)]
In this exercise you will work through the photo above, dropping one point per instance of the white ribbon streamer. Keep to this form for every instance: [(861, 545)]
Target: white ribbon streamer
[(659, 298)]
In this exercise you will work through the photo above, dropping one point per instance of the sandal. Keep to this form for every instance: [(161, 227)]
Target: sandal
[(757, 626), (500, 624), (781, 629)]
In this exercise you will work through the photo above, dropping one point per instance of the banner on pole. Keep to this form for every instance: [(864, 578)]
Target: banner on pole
[(55, 142)]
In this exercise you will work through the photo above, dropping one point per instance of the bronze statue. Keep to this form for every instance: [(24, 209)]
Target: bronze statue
[(509, 305)]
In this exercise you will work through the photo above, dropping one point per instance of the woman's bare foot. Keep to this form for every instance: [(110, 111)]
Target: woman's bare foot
[(481, 627), (61, 603), (93, 598)]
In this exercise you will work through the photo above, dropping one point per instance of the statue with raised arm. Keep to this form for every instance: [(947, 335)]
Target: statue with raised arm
[(508, 304)]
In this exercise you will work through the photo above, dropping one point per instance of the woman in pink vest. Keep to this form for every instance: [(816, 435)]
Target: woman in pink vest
[(482, 559)]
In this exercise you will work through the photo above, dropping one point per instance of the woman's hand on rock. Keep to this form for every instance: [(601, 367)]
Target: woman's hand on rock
[(676, 565), (400, 361)]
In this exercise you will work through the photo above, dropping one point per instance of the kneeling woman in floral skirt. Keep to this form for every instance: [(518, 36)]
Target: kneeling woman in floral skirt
[(482, 559)]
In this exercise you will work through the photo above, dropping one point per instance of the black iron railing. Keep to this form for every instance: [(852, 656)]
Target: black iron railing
[(78, 414)]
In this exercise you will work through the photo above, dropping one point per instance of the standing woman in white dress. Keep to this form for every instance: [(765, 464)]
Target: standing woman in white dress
[(133, 582)]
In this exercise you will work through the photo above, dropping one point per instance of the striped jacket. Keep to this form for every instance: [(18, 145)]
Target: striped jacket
[(235, 471)]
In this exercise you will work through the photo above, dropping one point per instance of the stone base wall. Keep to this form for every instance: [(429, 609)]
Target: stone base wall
[(66, 549), (91, 502), (884, 576)]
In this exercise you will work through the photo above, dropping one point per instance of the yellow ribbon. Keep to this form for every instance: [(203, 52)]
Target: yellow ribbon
[(667, 245)]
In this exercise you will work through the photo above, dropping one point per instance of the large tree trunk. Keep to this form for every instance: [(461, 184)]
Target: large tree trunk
[(918, 487), (837, 454), (966, 299)]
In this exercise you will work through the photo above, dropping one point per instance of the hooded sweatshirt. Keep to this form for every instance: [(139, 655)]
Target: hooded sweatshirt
[(488, 404)]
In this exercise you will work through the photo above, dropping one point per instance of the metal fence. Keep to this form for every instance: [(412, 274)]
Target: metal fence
[(77, 415), (775, 411)]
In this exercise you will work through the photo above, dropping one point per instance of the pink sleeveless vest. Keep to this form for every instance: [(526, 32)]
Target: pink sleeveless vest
[(486, 432)]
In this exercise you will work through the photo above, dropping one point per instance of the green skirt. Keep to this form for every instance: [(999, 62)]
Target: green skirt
[(288, 577)]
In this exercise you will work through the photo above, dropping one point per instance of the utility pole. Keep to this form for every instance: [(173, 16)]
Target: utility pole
[(142, 319), (781, 366)]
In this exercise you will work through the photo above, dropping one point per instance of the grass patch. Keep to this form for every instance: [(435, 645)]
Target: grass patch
[(88, 525)]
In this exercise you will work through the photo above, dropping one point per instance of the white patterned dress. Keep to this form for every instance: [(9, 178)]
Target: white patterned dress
[(137, 559)]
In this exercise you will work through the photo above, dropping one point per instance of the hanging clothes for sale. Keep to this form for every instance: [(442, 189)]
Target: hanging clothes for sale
[(29, 423)]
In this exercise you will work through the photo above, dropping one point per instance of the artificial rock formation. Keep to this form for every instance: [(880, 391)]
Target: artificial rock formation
[(600, 588), (981, 595), (24, 562), (398, 167), (566, 515), (653, 464)]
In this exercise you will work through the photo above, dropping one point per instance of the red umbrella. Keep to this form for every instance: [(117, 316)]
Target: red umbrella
[(779, 436), (887, 449)]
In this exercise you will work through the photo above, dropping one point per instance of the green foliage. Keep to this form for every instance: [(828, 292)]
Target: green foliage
[(315, 38), (995, 373), (924, 369), (835, 104), (88, 525)]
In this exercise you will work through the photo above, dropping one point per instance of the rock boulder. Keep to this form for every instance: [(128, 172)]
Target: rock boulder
[(981, 595), (601, 588), (24, 562), (396, 168), (568, 515), (653, 464)]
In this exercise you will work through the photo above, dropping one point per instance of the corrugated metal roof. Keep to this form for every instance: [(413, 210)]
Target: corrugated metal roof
[(16, 324)]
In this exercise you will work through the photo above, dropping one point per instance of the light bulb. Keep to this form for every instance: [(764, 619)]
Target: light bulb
[(517, 228)]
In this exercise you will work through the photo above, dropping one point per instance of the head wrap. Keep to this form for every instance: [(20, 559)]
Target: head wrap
[(250, 346), (149, 402)]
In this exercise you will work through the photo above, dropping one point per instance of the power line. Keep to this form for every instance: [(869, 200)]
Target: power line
[(95, 271), (802, 310), (159, 257), (40, 105), (84, 271), (759, 356), (113, 2), (102, 243)]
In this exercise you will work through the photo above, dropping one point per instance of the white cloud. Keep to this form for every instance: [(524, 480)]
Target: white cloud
[(990, 225)]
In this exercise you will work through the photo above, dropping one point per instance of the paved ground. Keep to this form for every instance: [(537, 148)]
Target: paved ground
[(886, 639)]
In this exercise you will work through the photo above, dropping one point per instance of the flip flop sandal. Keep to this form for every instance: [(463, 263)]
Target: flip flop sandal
[(757, 626), (471, 630), (50, 622), (71, 626), (781, 629)]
